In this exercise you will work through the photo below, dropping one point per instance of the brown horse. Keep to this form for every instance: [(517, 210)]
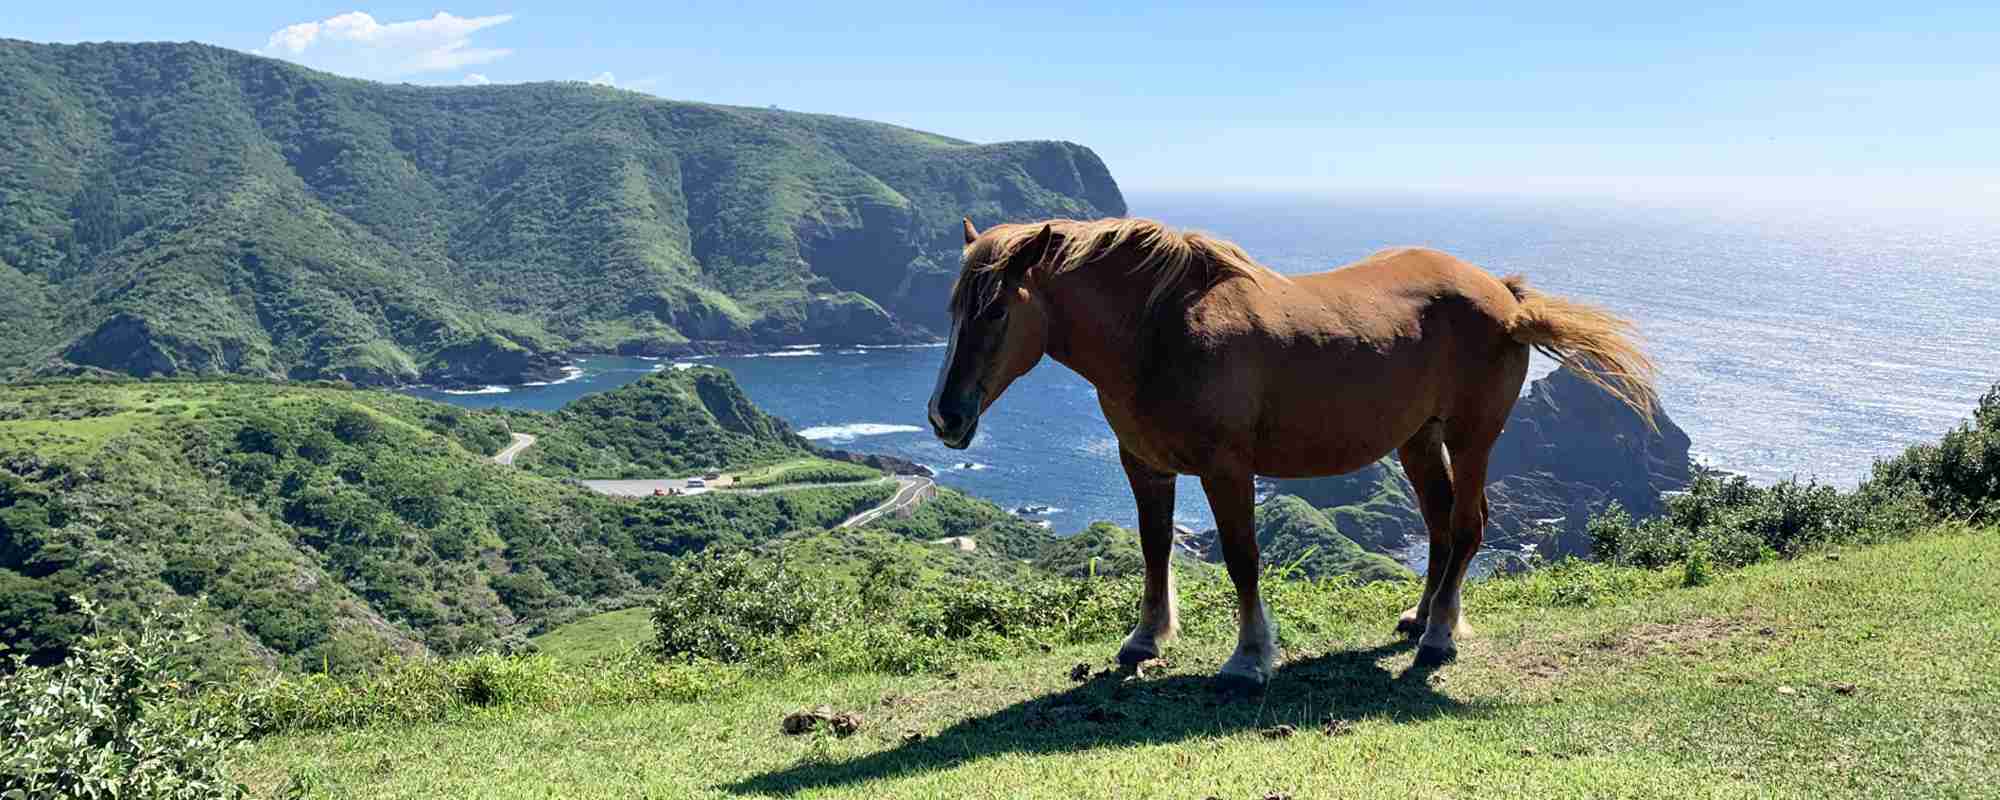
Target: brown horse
[(1209, 364)]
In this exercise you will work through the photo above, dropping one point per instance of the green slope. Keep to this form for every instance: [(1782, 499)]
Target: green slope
[(194, 210), (1863, 677), (328, 526)]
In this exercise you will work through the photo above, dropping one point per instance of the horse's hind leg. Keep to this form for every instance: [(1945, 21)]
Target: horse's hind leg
[(1425, 464), (1158, 619), (1446, 619)]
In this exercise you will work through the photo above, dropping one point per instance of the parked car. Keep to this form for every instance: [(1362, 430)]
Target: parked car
[(697, 483)]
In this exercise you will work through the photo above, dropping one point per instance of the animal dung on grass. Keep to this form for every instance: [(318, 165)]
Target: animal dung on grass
[(1280, 732), (842, 724)]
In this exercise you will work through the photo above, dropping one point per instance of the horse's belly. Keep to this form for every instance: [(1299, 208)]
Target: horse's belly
[(1314, 458), (1319, 439)]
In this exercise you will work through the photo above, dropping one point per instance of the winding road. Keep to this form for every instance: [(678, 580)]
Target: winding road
[(522, 441), (913, 490), (910, 489)]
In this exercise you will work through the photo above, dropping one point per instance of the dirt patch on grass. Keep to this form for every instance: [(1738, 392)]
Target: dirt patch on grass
[(1693, 637), (1550, 660)]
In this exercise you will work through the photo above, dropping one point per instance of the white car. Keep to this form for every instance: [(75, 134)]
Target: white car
[(697, 483)]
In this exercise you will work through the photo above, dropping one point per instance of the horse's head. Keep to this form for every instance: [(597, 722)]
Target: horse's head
[(998, 328)]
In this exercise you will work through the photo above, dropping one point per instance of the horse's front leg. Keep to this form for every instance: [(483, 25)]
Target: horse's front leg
[(1159, 619), (1233, 499)]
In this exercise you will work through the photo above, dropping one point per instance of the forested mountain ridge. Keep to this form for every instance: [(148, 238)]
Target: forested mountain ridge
[(172, 209)]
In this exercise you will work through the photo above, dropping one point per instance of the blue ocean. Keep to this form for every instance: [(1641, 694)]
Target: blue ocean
[(1790, 345)]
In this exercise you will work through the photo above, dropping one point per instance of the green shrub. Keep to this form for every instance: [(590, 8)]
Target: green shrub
[(726, 606), (1957, 478), (1730, 522), (1697, 570), (96, 725)]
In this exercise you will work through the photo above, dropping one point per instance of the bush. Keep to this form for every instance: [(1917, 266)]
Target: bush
[(1727, 521), (1731, 522), (96, 724), (726, 606), (1957, 478)]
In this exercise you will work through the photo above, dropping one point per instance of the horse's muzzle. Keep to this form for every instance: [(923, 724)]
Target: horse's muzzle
[(956, 436), (954, 429)]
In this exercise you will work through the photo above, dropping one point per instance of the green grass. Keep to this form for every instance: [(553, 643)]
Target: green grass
[(1587, 682), (598, 636), (806, 470)]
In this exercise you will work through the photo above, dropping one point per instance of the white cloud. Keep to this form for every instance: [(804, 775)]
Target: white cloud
[(355, 44), (605, 79), (476, 79)]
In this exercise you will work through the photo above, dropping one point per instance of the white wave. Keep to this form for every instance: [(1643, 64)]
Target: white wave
[(656, 368), (969, 466), (480, 390), (854, 430), (900, 346), (569, 374), (683, 365), (647, 358)]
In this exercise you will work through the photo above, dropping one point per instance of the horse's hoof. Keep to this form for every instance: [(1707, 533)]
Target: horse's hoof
[(1428, 656), (1131, 656)]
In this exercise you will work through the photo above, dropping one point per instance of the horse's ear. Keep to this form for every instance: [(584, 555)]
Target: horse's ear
[(971, 233), (1032, 254)]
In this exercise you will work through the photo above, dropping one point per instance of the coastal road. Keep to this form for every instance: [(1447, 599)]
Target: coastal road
[(910, 490), (644, 487), (522, 441), (913, 490)]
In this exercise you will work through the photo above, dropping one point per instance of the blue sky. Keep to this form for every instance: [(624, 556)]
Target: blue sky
[(1883, 103)]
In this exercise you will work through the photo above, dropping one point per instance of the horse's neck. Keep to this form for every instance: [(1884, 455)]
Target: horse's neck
[(1094, 330)]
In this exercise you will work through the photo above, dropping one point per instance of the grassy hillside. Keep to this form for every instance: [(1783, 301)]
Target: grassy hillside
[(1319, 543), (1862, 676), (174, 209), (670, 423), (328, 527)]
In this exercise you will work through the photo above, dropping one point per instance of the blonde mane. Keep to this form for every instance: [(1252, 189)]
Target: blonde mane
[(1173, 260)]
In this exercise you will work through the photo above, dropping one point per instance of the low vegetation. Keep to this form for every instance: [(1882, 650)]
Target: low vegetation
[(101, 724), (330, 528), (668, 424), (1731, 522), (809, 470)]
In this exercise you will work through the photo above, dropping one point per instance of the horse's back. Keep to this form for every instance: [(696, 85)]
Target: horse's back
[(1350, 362), (1418, 274)]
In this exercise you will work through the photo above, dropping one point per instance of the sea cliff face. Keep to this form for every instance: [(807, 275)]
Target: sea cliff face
[(180, 209)]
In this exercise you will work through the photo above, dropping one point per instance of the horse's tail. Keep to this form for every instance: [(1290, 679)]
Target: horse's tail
[(1592, 342)]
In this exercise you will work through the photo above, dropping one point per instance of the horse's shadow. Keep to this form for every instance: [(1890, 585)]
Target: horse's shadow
[(1312, 695)]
